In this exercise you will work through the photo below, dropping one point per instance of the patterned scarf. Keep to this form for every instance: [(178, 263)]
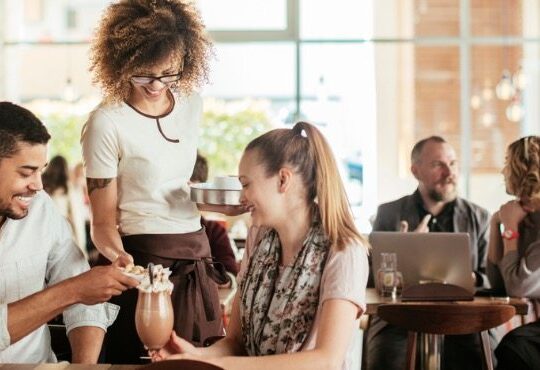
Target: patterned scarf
[(277, 310)]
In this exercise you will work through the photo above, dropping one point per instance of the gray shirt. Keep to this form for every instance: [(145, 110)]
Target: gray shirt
[(518, 272)]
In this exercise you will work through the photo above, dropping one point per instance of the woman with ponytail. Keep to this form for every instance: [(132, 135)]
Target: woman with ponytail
[(303, 278)]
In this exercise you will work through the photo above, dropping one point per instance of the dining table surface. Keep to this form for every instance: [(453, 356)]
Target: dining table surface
[(67, 366), (374, 300)]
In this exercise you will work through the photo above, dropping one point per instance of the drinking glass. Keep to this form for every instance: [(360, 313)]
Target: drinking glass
[(390, 280), (154, 318)]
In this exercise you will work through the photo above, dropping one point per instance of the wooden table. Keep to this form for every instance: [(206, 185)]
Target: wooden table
[(373, 301), (67, 366), (432, 342)]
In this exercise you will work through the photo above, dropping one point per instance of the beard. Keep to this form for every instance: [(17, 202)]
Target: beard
[(6, 211), (443, 196)]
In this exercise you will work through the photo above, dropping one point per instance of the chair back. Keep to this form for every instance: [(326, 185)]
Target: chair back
[(446, 318)]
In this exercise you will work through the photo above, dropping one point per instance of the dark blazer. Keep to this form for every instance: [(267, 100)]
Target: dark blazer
[(468, 217)]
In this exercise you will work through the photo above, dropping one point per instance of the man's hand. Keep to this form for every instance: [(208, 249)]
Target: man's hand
[(421, 228), (101, 283)]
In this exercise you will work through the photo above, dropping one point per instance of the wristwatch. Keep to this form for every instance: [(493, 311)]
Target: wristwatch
[(510, 234)]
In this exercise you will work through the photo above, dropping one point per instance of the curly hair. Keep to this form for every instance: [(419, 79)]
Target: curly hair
[(135, 34), (522, 168)]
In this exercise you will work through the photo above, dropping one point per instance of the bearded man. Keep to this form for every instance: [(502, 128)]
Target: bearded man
[(433, 207)]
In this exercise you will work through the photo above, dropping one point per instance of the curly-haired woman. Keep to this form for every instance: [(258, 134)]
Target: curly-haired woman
[(139, 149), (514, 249)]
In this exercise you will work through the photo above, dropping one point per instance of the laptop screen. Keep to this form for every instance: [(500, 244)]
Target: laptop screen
[(426, 257)]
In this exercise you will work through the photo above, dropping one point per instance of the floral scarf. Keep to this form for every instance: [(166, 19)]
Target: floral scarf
[(277, 310)]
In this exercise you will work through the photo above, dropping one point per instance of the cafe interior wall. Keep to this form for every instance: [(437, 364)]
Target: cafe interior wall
[(416, 63), (423, 82)]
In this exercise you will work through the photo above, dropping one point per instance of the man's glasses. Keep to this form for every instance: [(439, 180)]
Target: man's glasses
[(146, 80)]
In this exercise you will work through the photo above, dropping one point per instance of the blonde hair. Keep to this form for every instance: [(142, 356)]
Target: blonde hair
[(135, 34), (306, 150), (523, 167)]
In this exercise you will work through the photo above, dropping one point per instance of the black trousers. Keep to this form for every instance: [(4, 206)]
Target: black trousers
[(520, 348)]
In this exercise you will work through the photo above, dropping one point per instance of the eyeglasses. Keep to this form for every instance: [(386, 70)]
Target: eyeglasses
[(146, 80)]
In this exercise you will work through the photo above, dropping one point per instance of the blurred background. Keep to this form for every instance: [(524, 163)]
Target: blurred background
[(374, 75)]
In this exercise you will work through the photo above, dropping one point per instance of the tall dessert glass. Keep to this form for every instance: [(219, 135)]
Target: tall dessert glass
[(154, 317)]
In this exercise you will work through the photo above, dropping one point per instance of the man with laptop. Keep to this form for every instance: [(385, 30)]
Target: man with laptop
[(433, 207)]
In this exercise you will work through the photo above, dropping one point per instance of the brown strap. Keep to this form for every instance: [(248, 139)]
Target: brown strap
[(196, 272)]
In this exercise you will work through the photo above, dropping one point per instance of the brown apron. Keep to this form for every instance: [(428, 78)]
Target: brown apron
[(197, 312)]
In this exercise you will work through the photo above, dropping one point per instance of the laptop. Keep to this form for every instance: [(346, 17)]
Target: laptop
[(434, 265)]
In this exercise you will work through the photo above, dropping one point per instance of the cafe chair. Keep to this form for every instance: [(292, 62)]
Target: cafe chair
[(180, 364), (446, 319)]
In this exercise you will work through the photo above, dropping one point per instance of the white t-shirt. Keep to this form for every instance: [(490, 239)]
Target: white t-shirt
[(344, 277), (152, 158), (35, 252)]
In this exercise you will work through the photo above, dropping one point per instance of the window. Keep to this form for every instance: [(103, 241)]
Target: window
[(375, 76)]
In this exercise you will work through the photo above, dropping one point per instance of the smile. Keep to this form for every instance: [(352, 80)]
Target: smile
[(24, 200)]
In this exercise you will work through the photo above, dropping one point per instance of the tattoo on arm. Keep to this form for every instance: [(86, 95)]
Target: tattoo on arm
[(94, 184)]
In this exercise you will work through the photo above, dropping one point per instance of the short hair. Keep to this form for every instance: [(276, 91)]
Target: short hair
[(19, 124), (417, 149), (200, 172)]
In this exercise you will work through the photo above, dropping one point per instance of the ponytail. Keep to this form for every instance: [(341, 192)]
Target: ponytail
[(306, 150)]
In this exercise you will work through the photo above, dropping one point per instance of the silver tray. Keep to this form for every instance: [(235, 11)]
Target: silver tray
[(207, 193)]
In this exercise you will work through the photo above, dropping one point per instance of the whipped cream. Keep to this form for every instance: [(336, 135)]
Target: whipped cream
[(161, 282)]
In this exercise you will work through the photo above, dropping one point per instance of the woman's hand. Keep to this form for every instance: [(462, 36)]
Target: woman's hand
[(511, 214), (187, 356), (174, 346), (123, 259)]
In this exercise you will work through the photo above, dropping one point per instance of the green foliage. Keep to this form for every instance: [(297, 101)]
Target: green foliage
[(225, 131), (65, 133)]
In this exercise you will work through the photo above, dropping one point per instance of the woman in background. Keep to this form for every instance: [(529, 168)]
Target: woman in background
[(56, 182), (514, 249), (303, 277)]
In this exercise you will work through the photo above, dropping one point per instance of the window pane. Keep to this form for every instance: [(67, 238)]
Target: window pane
[(417, 91), (505, 18), (242, 15), (415, 18), (253, 70), (337, 95), (348, 19), (352, 19), (502, 110), (27, 79), (251, 90), (49, 20)]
